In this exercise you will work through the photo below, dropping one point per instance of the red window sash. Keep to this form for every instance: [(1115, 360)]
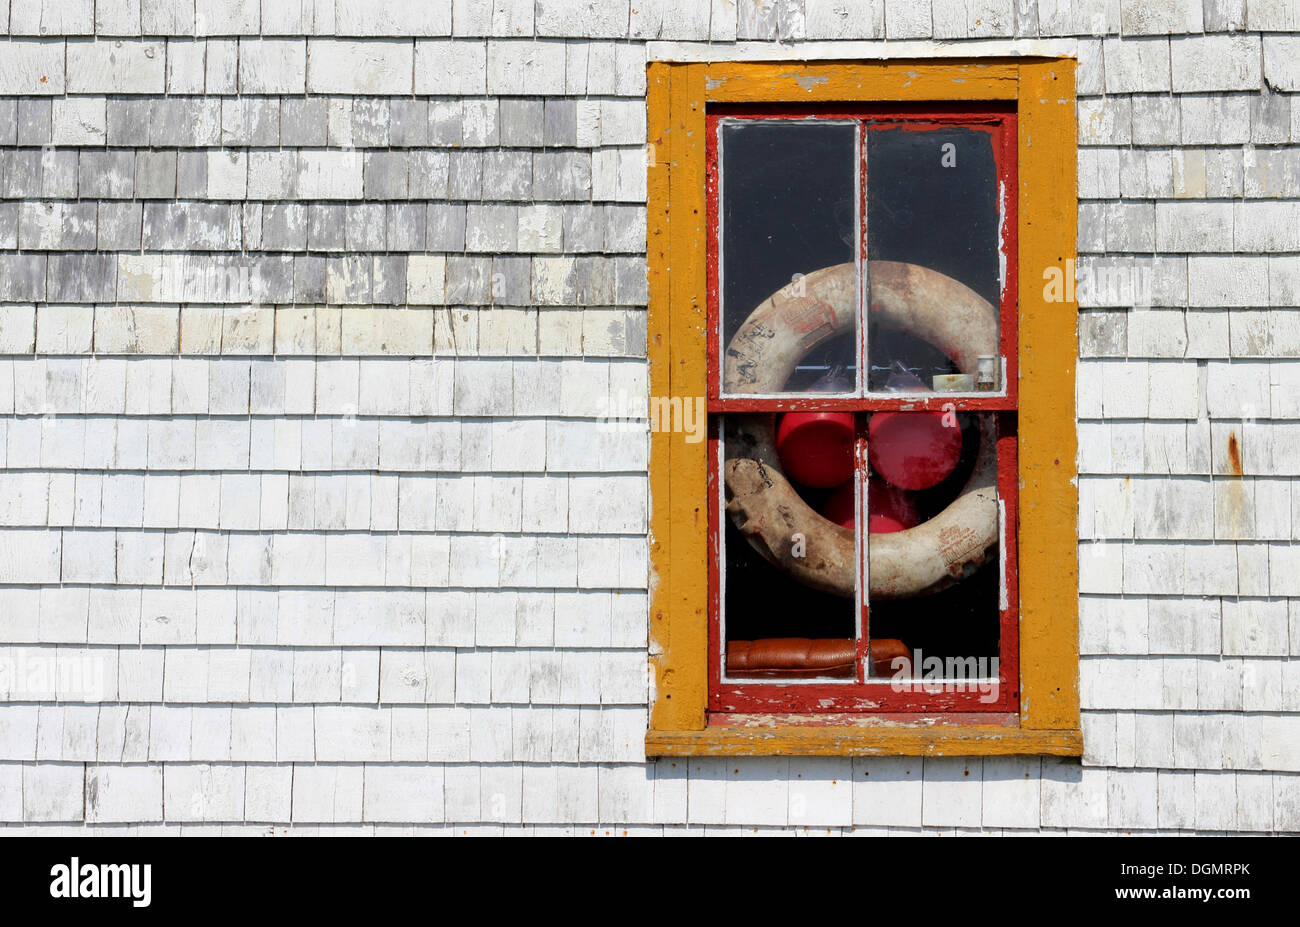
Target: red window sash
[(855, 697)]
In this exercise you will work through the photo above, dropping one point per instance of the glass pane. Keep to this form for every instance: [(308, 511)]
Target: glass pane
[(933, 544), (789, 581), (787, 277), (934, 273)]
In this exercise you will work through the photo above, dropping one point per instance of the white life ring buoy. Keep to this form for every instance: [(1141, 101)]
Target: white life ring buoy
[(763, 505)]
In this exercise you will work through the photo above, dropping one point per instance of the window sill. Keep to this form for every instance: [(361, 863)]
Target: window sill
[(865, 740)]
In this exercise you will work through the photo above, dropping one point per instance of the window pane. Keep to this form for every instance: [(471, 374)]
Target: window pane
[(787, 206), (932, 203), (934, 533), (790, 583)]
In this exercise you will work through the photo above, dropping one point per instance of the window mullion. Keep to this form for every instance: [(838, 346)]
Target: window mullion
[(862, 541), (860, 418), (864, 282)]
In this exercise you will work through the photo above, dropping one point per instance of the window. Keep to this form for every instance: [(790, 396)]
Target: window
[(847, 265), (838, 235)]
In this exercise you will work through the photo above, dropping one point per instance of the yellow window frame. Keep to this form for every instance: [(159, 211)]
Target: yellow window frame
[(1043, 90)]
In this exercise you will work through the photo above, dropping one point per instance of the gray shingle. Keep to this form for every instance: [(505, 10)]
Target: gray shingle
[(325, 227), (584, 227), (406, 224), (365, 227), (59, 173), (507, 175), (82, 278), (561, 175), (1270, 119), (347, 279), (8, 121), (480, 123), (304, 123), (561, 123), (191, 174), (57, 226), (444, 122), (120, 225), (22, 276), (107, 174), (631, 286), (385, 175), (251, 214), (512, 281), (270, 278), (592, 281), (128, 120), (155, 174), (284, 227), (192, 227), (189, 122), (521, 123), (1103, 333), (491, 227), (369, 123), (34, 121), (465, 175), (8, 226), (624, 227), (469, 280), (446, 227), (388, 280), (251, 121), (308, 278), (408, 123), (1155, 120), (427, 174), (20, 173)]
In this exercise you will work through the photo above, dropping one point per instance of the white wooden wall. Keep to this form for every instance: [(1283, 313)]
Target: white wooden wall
[(261, 570)]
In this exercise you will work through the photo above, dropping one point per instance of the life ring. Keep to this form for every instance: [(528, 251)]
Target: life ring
[(763, 505)]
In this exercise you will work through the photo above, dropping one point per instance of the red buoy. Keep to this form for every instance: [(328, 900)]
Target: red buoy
[(889, 508), (816, 448), (839, 506), (913, 450)]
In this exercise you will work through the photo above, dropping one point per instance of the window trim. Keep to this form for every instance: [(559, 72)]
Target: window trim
[(1043, 91), (739, 697)]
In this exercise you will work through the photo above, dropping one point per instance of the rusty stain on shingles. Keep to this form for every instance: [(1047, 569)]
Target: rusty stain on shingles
[(1232, 506), (1234, 454)]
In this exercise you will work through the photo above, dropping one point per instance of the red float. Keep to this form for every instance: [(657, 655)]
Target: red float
[(816, 448), (839, 506), (913, 450), (890, 509)]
